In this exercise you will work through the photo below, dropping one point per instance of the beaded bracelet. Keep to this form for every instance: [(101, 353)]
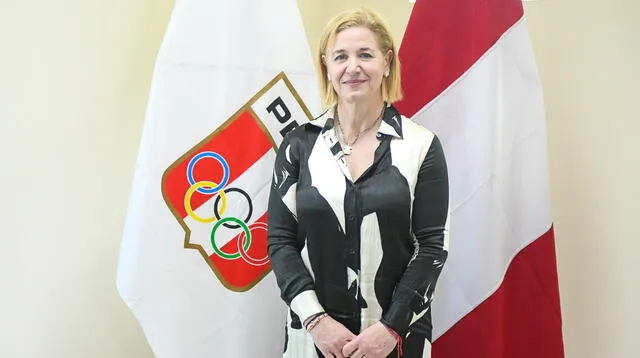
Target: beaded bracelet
[(310, 319)]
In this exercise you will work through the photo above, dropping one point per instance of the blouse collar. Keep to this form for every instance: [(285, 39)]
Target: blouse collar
[(391, 122)]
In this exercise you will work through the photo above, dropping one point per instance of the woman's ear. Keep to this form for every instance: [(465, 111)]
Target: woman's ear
[(388, 59)]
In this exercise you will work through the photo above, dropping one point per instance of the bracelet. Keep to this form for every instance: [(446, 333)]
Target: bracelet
[(310, 319), (397, 337), (315, 321)]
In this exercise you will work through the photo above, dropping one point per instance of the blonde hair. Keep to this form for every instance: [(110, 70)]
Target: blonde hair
[(359, 17)]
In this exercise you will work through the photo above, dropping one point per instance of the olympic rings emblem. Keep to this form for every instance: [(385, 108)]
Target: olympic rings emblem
[(220, 205), (225, 170)]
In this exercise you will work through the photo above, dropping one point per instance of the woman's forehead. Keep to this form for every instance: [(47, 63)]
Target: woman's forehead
[(354, 38)]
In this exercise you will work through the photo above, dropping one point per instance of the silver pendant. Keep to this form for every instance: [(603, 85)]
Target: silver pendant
[(347, 149)]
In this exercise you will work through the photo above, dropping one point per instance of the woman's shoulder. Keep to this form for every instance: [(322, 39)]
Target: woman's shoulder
[(305, 134), (416, 133), (309, 128)]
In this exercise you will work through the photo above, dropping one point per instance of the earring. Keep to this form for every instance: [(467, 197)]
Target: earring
[(386, 73)]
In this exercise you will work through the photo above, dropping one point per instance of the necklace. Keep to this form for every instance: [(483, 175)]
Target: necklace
[(348, 148)]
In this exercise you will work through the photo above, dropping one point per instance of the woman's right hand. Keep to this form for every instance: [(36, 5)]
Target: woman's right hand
[(330, 336)]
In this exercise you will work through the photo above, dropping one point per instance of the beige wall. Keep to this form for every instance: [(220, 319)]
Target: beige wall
[(74, 80), (316, 13), (588, 53)]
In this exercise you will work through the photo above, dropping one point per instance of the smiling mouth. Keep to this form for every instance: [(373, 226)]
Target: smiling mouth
[(353, 82)]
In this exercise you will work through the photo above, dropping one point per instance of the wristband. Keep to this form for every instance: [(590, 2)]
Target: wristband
[(397, 337), (314, 322), (310, 319)]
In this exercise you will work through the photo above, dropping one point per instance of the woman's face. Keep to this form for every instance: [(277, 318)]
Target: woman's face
[(356, 65)]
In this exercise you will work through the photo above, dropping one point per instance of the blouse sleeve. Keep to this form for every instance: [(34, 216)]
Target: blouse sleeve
[(284, 245), (430, 224)]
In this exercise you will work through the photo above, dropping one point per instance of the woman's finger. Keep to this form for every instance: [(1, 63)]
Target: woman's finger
[(327, 354), (357, 354)]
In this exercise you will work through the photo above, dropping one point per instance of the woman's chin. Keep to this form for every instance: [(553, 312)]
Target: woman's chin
[(354, 96)]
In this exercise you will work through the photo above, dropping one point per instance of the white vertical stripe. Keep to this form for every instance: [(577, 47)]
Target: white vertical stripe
[(370, 259), (327, 177), (404, 155), (427, 349), (300, 344)]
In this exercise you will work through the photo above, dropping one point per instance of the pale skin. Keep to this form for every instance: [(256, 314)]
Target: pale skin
[(356, 67)]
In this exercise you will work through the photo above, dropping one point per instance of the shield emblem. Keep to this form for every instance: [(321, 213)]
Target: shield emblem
[(218, 190)]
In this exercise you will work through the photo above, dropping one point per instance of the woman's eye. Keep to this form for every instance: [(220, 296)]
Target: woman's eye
[(366, 55), (340, 58)]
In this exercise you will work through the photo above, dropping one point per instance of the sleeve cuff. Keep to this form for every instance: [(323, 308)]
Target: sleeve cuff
[(306, 304), (398, 318)]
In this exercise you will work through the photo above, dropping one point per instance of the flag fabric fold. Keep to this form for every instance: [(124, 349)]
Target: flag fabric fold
[(230, 79), (469, 74)]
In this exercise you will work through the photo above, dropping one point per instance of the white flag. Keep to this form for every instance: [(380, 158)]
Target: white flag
[(229, 82)]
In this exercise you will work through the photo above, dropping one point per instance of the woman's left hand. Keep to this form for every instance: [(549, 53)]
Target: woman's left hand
[(374, 342)]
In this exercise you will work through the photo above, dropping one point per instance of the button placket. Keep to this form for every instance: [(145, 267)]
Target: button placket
[(352, 228)]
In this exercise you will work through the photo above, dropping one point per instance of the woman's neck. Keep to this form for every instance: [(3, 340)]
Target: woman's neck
[(356, 117)]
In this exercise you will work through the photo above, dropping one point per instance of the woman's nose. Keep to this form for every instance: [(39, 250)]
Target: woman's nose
[(353, 65)]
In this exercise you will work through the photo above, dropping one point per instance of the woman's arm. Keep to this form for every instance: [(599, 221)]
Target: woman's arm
[(284, 246), (430, 214)]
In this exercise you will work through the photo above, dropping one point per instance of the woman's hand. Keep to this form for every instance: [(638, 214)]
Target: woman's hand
[(330, 336), (374, 342)]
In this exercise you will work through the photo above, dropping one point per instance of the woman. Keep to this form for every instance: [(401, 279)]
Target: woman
[(358, 208)]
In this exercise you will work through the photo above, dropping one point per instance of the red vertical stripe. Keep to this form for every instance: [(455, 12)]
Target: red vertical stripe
[(522, 319)]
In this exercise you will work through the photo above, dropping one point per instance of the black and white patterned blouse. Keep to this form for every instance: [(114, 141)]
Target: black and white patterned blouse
[(363, 251)]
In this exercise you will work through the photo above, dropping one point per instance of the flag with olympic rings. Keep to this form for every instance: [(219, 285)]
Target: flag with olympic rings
[(218, 190)]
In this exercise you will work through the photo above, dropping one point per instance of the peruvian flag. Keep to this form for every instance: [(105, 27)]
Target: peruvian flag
[(469, 75)]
